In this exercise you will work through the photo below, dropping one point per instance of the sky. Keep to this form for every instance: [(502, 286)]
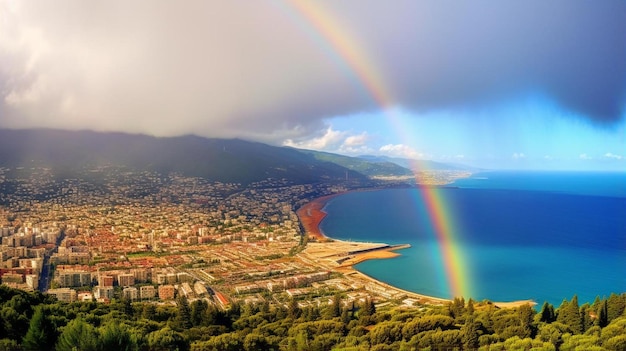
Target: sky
[(515, 85)]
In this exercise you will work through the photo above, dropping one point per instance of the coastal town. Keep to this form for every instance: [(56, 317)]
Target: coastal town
[(119, 234)]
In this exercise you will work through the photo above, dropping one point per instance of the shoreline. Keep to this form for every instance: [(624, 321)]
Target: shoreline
[(312, 214)]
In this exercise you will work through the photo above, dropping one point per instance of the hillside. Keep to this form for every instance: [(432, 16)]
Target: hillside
[(371, 168), (417, 165), (225, 160)]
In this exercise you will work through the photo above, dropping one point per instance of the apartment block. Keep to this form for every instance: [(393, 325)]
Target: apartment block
[(166, 292)]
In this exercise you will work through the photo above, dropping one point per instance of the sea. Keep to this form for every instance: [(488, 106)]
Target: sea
[(545, 236)]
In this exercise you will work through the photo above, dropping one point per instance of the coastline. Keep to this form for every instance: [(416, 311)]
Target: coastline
[(342, 256), (311, 215)]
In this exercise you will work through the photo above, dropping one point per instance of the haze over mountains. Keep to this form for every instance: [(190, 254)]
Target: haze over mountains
[(225, 160)]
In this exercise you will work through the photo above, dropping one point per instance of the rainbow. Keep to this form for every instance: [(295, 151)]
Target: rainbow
[(327, 32)]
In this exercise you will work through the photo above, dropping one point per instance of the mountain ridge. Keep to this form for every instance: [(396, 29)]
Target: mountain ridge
[(226, 160)]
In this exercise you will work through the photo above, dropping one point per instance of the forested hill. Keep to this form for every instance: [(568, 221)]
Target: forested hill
[(32, 321), (225, 160)]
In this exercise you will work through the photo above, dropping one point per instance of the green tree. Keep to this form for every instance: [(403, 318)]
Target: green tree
[(12, 324), (77, 335), (9, 345), (616, 343), (334, 309), (166, 339), (255, 342), (183, 315), (457, 307), (553, 333), (470, 307), (586, 317), (198, 312), (293, 310), (302, 341), (547, 313), (469, 333), (41, 332), (128, 308), (368, 308), (569, 314), (525, 314), (149, 311), (602, 314), (114, 336), (616, 306)]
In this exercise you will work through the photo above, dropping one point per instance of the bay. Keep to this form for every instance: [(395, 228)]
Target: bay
[(530, 235)]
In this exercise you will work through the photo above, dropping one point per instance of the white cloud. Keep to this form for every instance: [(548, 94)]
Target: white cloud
[(401, 150), (336, 141), (584, 156), (613, 156), (332, 139), (357, 140), (518, 156)]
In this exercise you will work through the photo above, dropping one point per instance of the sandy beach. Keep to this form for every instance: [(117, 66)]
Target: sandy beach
[(312, 214), (341, 256)]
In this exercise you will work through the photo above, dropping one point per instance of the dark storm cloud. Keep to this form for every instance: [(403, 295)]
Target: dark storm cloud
[(459, 53), (262, 70)]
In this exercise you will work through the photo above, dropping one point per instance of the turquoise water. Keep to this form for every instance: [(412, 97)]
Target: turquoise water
[(530, 235)]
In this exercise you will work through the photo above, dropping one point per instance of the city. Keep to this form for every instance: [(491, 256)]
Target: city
[(146, 237)]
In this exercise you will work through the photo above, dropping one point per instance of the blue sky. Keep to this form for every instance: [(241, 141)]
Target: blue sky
[(527, 133)]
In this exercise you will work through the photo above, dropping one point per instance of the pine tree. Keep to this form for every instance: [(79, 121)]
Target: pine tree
[(547, 313), (602, 320), (198, 311), (469, 333), (293, 310), (334, 309), (128, 308), (470, 307), (114, 336), (616, 305), (585, 317), (78, 335), (183, 315), (41, 334), (369, 308), (525, 314), (166, 339), (569, 314), (149, 311), (457, 307)]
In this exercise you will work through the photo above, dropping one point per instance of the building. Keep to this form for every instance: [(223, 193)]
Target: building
[(184, 277), (32, 281), (106, 280), (141, 275), (126, 279), (200, 289), (186, 290), (130, 293), (166, 292), (171, 278), (72, 278), (147, 292), (85, 296), (16, 278), (64, 294), (103, 292)]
